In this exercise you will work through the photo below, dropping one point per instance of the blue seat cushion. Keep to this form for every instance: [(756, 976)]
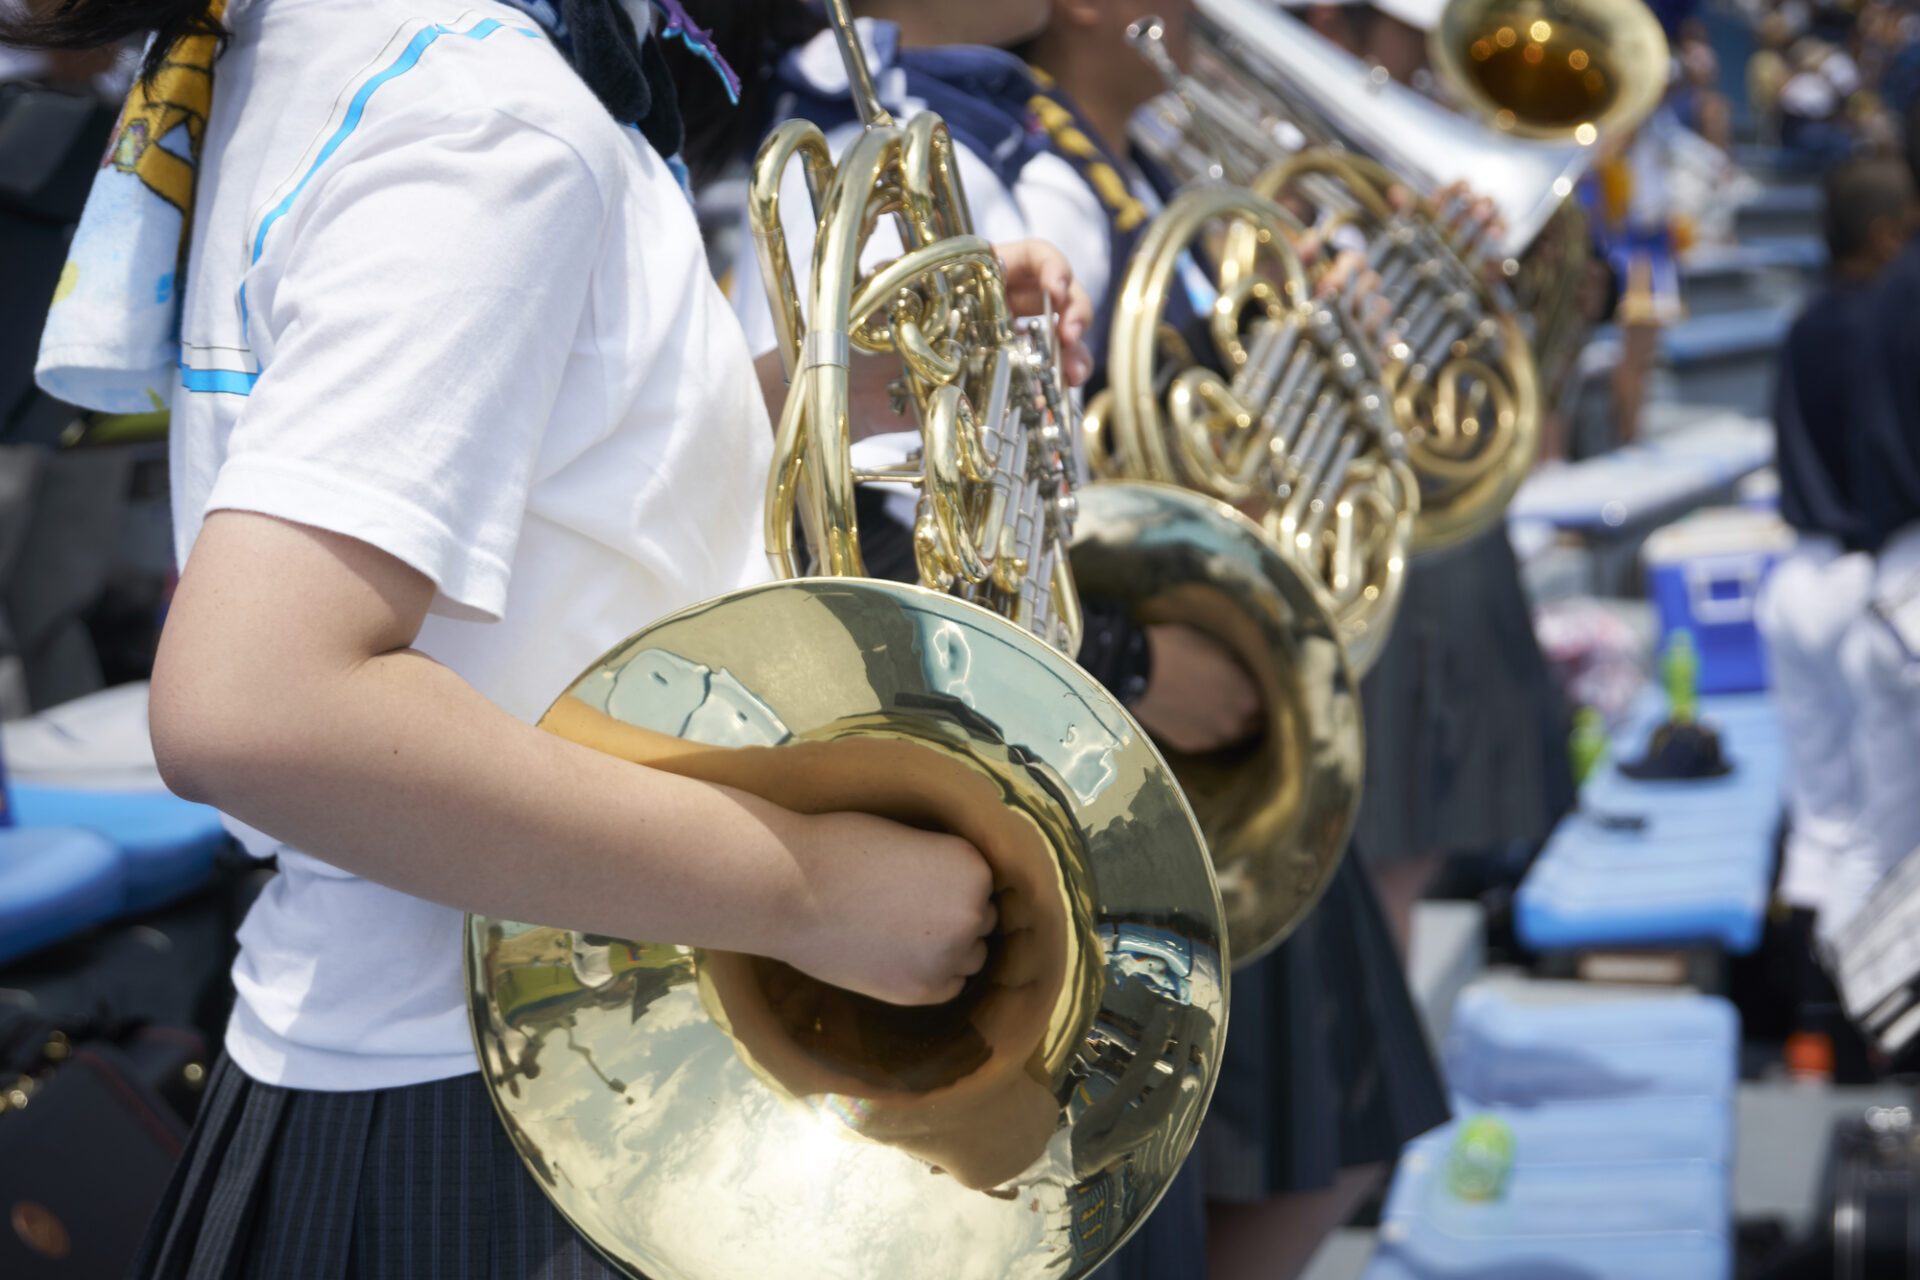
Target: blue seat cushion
[(168, 843), (54, 882)]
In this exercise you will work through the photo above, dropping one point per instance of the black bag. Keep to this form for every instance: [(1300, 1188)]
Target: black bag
[(93, 1116)]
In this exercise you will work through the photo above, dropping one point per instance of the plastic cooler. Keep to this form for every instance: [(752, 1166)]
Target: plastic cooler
[(1704, 574)]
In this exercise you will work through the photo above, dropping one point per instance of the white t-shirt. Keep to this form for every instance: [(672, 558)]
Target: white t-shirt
[(441, 302)]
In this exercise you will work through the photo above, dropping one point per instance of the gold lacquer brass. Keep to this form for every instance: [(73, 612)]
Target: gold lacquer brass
[(709, 1116), (1285, 539), (1282, 111), (700, 1115), (1457, 358), (1277, 810), (1297, 432), (1559, 69)]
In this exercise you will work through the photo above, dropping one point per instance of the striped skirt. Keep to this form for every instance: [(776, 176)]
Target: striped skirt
[(421, 1183), (412, 1182)]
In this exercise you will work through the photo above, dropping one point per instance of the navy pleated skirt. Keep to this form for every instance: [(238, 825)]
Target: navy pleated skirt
[(421, 1183), (415, 1182), (1327, 1064), (1466, 731)]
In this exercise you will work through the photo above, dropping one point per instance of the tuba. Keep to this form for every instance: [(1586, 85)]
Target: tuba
[(1275, 107), (700, 1115)]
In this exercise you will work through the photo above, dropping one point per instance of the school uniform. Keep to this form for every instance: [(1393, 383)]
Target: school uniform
[(1814, 595), (1880, 652), (437, 300), (1326, 1064)]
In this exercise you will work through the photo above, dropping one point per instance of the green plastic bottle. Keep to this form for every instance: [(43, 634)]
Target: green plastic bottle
[(1680, 672), (1589, 743), (1481, 1158)]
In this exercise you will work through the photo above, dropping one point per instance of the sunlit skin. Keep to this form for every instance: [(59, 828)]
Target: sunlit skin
[(287, 693)]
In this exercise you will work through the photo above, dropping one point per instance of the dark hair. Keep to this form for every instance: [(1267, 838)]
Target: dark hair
[(1860, 193), (93, 24), (751, 35)]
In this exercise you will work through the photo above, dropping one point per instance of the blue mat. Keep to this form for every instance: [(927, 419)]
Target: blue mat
[(1622, 1119), (54, 882), (1697, 868), (1636, 484), (1509, 1052), (168, 843)]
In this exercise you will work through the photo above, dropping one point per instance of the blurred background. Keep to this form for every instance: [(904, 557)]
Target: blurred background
[(1654, 1073)]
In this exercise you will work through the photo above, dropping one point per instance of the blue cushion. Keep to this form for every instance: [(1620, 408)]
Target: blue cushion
[(1622, 1119), (54, 882), (168, 843), (1697, 869)]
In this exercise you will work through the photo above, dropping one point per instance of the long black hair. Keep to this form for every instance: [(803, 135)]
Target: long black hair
[(93, 24), (751, 35)]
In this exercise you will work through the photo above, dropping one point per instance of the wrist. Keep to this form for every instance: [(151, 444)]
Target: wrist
[(786, 904)]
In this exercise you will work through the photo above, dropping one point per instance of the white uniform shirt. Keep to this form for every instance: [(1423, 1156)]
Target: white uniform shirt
[(441, 302)]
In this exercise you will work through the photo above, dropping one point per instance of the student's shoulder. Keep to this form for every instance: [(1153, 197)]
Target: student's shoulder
[(453, 58)]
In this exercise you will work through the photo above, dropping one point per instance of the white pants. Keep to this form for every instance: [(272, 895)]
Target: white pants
[(1883, 676), (1807, 606)]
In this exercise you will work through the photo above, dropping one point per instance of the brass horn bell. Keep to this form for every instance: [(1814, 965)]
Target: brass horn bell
[(709, 1116)]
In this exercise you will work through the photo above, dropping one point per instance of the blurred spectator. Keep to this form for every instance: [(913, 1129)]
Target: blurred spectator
[(1821, 403), (1900, 81), (1767, 71), (1695, 97), (1812, 117)]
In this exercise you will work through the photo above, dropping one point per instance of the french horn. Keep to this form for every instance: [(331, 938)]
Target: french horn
[(700, 1115), (1271, 512), (1277, 108)]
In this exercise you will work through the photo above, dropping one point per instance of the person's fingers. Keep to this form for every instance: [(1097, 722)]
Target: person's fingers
[(1076, 313)]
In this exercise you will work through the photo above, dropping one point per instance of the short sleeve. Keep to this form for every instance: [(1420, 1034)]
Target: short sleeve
[(415, 308)]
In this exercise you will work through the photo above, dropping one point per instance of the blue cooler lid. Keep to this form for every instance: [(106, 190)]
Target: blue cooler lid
[(54, 882), (168, 843)]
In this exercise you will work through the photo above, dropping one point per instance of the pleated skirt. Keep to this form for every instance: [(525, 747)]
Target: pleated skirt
[(1466, 731), (1327, 1064), (413, 1183), (421, 1183)]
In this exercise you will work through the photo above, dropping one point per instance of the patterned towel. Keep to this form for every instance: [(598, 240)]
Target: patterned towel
[(112, 340)]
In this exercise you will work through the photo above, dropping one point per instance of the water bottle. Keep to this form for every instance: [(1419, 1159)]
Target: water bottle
[(1481, 1159), (1589, 744), (1680, 672)]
